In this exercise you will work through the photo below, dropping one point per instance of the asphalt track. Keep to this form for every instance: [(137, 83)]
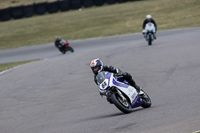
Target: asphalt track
[(58, 95)]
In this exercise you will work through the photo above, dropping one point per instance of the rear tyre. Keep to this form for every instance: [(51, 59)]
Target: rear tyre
[(146, 100), (125, 107)]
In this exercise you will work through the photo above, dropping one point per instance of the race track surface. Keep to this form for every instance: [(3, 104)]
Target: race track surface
[(58, 94)]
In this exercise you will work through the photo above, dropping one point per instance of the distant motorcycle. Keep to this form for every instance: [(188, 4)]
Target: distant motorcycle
[(120, 93), (64, 47), (149, 33)]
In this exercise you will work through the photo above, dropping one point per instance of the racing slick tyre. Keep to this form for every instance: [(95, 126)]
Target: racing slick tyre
[(71, 49), (124, 106), (150, 41), (146, 100)]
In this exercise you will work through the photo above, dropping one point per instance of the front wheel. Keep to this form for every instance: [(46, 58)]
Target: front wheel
[(124, 106), (150, 41), (71, 49), (146, 100)]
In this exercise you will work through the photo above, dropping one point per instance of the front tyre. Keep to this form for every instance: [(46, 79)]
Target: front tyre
[(71, 49), (150, 41), (124, 106), (146, 100)]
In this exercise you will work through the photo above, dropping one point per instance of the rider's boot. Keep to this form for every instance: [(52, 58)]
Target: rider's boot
[(154, 35), (130, 80), (132, 83), (144, 34), (139, 90)]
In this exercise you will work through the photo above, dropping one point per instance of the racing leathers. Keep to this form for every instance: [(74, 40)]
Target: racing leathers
[(147, 21)]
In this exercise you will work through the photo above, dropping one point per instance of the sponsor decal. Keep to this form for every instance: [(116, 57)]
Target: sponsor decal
[(119, 84), (133, 95)]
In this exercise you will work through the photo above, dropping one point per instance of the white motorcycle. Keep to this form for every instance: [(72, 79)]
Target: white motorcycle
[(120, 93), (149, 32)]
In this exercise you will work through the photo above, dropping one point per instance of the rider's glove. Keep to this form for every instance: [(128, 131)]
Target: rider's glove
[(101, 94), (119, 72)]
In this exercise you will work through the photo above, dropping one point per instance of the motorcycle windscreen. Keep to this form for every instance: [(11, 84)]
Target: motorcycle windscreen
[(101, 77)]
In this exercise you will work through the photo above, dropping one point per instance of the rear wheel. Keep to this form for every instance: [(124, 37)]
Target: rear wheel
[(122, 105)]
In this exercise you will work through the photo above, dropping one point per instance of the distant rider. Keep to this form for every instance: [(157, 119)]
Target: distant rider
[(147, 20), (61, 44), (97, 66)]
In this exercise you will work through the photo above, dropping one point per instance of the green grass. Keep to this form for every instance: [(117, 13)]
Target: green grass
[(99, 22), (6, 66)]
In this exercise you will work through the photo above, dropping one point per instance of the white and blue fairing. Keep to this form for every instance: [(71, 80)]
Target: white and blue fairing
[(106, 80)]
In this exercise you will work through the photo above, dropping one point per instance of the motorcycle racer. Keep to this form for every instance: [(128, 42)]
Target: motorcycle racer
[(97, 66), (147, 20), (61, 44)]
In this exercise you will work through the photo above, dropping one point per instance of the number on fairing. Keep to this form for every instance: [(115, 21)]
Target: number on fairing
[(104, 84)]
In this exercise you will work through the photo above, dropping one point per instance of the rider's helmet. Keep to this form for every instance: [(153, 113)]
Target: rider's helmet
[(96, 65), (58, 38), (148, 17)]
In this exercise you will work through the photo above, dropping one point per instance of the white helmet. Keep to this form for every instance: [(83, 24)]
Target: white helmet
[(148, 17)]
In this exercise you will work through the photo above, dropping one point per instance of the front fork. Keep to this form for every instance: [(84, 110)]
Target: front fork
[(120, 94)]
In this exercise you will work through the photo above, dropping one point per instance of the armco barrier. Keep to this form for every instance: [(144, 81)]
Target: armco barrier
[(111, 1), (64, 5), (52, 7), (28, 10), (17, 12), (99, 2), (5, 14), (76, 4), (40, 8), (88, 3)]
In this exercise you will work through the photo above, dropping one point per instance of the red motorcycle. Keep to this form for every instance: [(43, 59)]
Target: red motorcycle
[(64, 47)]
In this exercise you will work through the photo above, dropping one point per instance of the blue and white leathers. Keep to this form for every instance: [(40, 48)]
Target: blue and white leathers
[(107, 81)]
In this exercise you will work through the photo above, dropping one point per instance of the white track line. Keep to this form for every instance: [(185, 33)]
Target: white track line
[(7, 70)]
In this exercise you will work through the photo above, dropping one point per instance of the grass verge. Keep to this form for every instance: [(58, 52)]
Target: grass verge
[(6, 66), (99, 22)]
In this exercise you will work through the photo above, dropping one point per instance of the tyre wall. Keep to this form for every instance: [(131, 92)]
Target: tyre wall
[(5, 14), (111, 1), (17, 12), (52, 7), (99, 2), (76, 4), (22, 11), (64, 5), (87, 3), (40, 8), (28, 10)]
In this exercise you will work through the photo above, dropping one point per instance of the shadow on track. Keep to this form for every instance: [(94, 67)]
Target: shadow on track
[(108, 115)]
